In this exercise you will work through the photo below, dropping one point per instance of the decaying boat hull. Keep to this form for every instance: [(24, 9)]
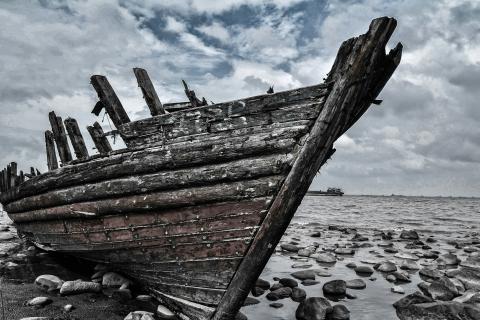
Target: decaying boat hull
[(196, 204)]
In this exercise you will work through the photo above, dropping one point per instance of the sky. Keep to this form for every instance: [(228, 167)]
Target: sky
[(424, 139)]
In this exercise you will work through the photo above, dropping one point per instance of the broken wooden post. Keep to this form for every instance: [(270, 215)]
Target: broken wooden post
[(22, 177), (60, 137), (13, 174), (110, 101), (192, 97), (2, 185), (76, 138), (51, 156), (99, 139), (149, 93), (32, 169)]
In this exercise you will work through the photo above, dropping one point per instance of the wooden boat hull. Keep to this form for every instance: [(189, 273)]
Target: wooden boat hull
[(196, 204)]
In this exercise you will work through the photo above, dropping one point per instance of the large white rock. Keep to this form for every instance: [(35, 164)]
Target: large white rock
[(49, 282), (112, 279), (79, 286), (139, 315), (164, 313), (39, 301)]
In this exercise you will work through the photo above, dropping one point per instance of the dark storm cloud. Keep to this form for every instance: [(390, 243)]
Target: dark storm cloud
[(423, 139)]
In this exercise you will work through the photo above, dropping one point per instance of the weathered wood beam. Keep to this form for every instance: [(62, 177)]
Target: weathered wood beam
[(239, 190), (13, 174), (148, 91), (2, 184), (76, 138), (225, 147), (99, 138), (60, 137), (356, 74), (52, 162), (165, 180), (109, 99)]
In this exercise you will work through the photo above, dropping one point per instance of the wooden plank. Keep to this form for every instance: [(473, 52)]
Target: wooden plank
[(187, 309), (167, 180), (148, 91), (109, 99), (76, 138), (177, 106), (52, 162), (185, 154), (157, 200), (99, 138), (60, 137), (354, 80)]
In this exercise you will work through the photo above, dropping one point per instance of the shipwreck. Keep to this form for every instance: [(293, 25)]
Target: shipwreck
[(196, 203)]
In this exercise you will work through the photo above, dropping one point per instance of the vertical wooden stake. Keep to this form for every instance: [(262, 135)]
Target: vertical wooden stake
[(60, 137), (76, 138), (99, 139), (149, 93), (51, 156), (110, 101)]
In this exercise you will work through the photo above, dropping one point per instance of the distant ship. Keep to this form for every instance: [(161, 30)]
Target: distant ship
[(329, 192)]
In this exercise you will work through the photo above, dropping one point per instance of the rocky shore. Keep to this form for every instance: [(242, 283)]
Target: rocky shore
[(318, 272)]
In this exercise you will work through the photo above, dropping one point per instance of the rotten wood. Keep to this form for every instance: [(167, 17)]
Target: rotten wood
[(109, 99), (362, 70), (148, 91), (99, 138), (52, 162), (197, 176), (192, 97), (76, 138), (60, 136)]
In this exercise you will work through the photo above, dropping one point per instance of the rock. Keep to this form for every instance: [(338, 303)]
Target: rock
[(257, 291), (468, 276), (6, 236), (356, 284), (39, 302), (401, 276), (49, 282), (364, 270), (314, 308), (280, 293), (351, 265), (471, 262), (304, 275), (11, 265), (163, 312), (316, 234), (308, 282), (409, 265), (98, 274), (298, 294), (391, 278), (250, 301), (398, 289), (442, 289), (325, 257), (335, 287), (409, 235), (289, 247), (470, 297), (322, 273), (431, 273), (79, 286), (264, 284), (301, 265), (339, 312), (349, 251), (276, 305), (276, 286), (359, 237), (406, 255), (447, 259), (288, 282), (413, 298), (305, 252), (139, 315), (458, 284), (144, 298), (387, 267), (439, 311), (68, 307), (112, 279), (430, 255), (391, 250)]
